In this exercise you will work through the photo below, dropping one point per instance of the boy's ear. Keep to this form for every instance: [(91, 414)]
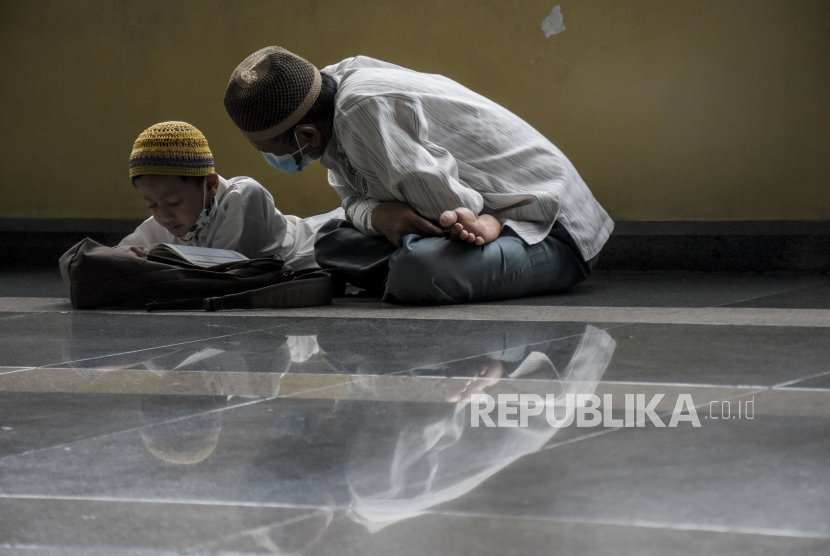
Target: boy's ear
[(212, 184)]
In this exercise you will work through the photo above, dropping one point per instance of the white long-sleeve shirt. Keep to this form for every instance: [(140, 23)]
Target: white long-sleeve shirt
[(246, 220), (401, 135)]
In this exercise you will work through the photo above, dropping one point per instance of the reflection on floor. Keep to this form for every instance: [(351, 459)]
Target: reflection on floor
[(652, 413)]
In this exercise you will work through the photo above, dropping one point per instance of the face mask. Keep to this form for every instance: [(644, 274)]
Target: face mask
[(286, 162), (204, 217)]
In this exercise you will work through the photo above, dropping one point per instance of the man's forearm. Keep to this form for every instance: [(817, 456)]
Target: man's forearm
[(395, 220), (360, 212)]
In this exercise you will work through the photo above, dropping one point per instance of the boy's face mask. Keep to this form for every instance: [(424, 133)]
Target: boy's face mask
[(286, 162), (204, 217)]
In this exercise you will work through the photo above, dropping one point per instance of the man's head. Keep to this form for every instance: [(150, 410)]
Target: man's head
[(281, 103), (171, 166)]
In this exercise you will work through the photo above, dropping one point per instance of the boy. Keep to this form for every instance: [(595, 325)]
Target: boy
[(171, 167)]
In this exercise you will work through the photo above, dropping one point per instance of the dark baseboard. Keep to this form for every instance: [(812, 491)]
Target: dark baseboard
[(69, 225), (800, 246), (41, 242), (745, 253), (748, 228)]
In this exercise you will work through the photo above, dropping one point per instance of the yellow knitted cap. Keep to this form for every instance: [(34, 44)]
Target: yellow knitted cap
[(270, 91), (173, 149), (183, 448)]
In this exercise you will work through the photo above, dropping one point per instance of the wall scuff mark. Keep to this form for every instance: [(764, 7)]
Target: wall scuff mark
[(553, 23)]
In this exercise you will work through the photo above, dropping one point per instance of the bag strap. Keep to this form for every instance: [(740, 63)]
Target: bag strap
[(308, 288)]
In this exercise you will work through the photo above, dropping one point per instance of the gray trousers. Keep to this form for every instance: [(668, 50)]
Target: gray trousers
[(432, 270)]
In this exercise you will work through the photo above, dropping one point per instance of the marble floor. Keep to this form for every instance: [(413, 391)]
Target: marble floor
[(641, 413)]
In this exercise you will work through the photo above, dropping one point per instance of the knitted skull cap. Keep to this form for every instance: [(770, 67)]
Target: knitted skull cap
[(173, 149), (270, 91), (183, 448)]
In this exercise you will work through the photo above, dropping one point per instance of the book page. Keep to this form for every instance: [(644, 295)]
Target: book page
[(201, 256)]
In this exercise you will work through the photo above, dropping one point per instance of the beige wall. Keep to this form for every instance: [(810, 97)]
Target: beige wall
[(671, 110)]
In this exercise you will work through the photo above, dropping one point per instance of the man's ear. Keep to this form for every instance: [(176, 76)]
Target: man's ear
[(212, 184), (308, 135)]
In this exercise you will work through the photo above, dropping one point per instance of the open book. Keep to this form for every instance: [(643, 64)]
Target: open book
[(188, 254)]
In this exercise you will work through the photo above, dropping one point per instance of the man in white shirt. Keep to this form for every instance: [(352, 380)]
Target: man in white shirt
[(448, 196)]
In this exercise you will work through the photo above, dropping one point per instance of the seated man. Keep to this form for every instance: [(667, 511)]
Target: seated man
[(449, 197), (171, 167)]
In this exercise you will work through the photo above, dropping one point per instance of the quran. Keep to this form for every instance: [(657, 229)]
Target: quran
[(186, 255)]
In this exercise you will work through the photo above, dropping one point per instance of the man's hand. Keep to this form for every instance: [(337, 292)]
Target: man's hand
[(395, 219)]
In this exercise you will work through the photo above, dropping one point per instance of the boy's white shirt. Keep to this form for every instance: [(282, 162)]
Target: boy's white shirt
[(246, 220)]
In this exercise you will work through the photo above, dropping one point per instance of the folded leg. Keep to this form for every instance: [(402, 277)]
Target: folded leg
[(363, 260), (438, 270), (426, 271)]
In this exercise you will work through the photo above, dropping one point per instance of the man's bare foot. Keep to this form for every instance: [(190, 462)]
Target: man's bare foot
[(471, 377), (465, 226)]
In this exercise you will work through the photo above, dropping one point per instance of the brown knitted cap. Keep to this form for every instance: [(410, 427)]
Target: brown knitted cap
[(270, 91)]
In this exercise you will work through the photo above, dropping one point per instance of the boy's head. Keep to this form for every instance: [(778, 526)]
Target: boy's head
[(171, 166)]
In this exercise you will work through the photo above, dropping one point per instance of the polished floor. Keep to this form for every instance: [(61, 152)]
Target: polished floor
[(349, 430)]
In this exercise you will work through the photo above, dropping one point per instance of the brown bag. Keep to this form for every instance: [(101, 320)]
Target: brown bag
[(99, 276)]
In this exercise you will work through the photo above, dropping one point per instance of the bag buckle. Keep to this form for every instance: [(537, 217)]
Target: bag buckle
[(213, 304)]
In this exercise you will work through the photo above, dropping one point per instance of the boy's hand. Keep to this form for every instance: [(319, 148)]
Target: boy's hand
[(395, 219), (136, 250)]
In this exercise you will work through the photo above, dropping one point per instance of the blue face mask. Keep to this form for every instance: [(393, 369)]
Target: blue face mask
[(286, 162)]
